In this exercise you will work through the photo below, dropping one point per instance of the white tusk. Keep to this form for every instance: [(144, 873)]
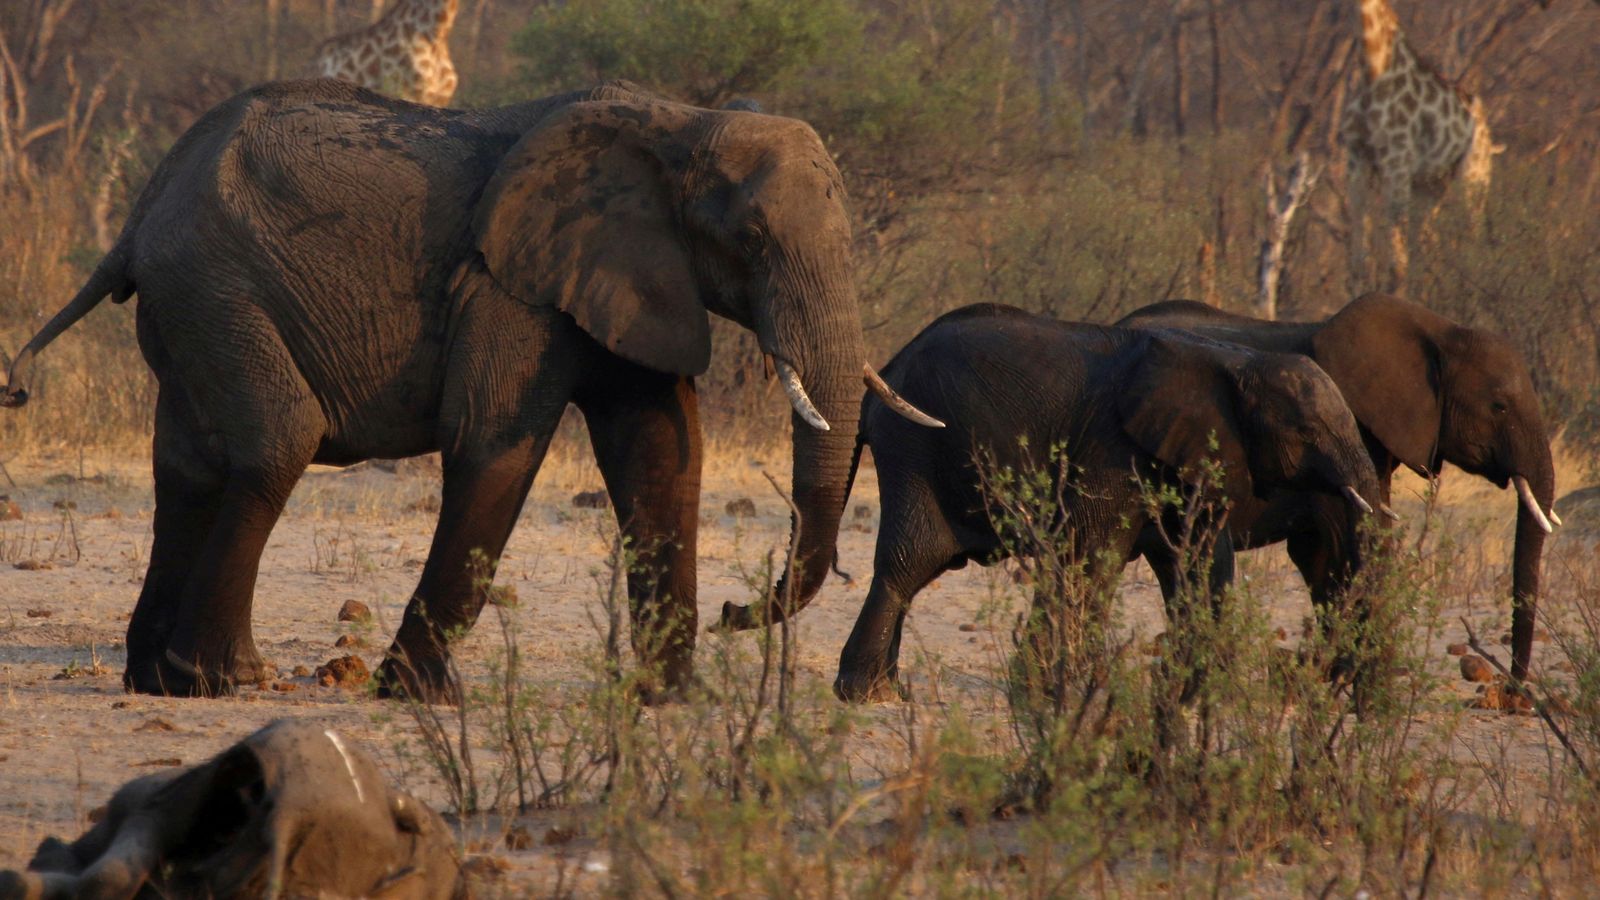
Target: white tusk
[(1351, 495), (348, 765), (894, 401), (1526, 493), (1554, 519), (798, 399), (1388, 513)]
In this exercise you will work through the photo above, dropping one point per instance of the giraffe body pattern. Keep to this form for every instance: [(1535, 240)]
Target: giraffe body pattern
[(404, 54), (1409, 133)]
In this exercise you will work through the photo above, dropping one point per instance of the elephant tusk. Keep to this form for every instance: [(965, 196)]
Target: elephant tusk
[(1526, 493), (1554, 519), (1387, 513), (894, 401), (1355, 498), (797, 398)]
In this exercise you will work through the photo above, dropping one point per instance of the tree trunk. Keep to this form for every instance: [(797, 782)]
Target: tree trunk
[(273, 9), (1180, 82), (1214, 25)]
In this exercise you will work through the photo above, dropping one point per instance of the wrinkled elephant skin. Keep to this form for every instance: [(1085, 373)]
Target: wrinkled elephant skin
[(327, 275)]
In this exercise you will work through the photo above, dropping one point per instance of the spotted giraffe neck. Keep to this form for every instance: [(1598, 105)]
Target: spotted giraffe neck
[(430, 19)]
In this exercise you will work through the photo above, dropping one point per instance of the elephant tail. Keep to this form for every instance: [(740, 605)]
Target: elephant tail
[(110, 277), (849, 483)]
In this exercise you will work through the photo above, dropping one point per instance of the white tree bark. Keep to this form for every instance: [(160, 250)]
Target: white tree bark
[(1281, 209)]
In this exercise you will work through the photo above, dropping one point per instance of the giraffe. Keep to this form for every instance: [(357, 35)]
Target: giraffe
[(1408, 133), (404, 53)]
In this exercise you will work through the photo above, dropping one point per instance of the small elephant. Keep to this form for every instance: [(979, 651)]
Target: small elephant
[(1426, 391), (1119, 403), (327, 275), (293, 810)]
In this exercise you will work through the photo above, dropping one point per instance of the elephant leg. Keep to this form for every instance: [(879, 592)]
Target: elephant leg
[(645, 429), (212, 648), (483, 493), (250, 401), (1327, 556), (915, 545), (188, 498)]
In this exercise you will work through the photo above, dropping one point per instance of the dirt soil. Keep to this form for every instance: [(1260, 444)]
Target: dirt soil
[(70, 570)]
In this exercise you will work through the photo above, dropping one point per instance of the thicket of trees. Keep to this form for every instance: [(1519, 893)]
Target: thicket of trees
[(1080, 157)]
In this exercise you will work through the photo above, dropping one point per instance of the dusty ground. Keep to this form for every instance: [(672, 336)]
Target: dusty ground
[(69, 735)]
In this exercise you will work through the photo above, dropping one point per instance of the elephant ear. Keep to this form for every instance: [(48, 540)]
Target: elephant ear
[(1180, 399), (580, 216), (1383, 354)]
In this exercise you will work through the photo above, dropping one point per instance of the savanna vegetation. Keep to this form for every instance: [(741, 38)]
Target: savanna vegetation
[(1075, 157)]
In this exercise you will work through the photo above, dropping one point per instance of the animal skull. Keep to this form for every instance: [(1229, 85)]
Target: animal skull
[(291, 810)]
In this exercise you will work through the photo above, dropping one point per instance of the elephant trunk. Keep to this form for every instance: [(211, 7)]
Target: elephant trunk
[(1539, 474), (818, 344)]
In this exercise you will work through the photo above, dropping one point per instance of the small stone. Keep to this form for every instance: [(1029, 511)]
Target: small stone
[(121, 704), (34, 565), (302, 672), (557, 836), (40, 613), (862, 511), (348, 640), (519, 838), (427, 504), (354, 611), (65, 504), (591, 500), (1280, 633), (1498, 698), (163, 761), (485, 868), (1457, 649), (284, 687), (967, 626), (1476, 669), (156, 725), (112, 513), (9, 510), (345, 671), (741, 508)]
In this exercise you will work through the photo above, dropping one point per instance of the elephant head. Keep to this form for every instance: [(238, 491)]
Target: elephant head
[(291, 810), (1272, 420), (640, 217), (1432, 391)]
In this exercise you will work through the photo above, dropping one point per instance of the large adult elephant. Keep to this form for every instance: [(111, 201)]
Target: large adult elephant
[(326, 275), (1427, 391)]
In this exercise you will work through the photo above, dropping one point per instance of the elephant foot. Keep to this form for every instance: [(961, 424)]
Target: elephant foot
[(882, 689), (172, 676), (425, 681)]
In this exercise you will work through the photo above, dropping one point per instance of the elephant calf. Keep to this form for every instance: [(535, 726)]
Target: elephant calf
[(1119, 403), (290, 811)]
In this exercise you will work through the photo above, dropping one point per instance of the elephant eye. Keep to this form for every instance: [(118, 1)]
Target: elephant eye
[(751, 238), (1498, 408)]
